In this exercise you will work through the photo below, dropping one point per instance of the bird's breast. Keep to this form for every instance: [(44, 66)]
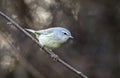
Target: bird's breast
[(50, 41)]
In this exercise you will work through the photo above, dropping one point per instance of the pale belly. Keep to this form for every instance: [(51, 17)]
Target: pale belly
[(50, 42)]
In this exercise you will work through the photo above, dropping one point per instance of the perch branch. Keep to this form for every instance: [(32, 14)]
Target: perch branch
[(43, 48)]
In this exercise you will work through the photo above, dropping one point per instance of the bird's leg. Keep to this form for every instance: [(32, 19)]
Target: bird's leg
[(53, 55)]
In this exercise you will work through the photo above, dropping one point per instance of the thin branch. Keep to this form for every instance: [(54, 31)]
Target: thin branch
[(43, 48)]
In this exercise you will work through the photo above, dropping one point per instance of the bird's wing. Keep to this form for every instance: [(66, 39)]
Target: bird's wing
[(44, 32)]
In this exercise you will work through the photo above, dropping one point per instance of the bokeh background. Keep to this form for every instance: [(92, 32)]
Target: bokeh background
[(95, 49)]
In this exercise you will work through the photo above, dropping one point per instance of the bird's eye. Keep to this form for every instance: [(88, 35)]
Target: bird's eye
[(65, 33)]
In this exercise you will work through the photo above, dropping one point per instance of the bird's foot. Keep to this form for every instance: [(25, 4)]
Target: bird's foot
[(54, 57)]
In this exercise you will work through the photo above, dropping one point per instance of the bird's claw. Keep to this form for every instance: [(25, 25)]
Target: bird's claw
[(54, 57)]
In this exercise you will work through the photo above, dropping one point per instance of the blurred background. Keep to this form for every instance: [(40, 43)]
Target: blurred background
[(95, 50)]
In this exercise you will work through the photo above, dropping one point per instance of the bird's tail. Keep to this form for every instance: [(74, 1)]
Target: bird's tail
[(30, 30)]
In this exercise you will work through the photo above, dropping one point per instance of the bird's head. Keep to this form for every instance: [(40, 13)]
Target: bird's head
[(63, 34)]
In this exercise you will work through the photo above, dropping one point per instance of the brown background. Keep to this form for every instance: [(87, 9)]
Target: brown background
[(94, 50)]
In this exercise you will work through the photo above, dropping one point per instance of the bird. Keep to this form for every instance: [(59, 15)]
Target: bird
[(53, 37)]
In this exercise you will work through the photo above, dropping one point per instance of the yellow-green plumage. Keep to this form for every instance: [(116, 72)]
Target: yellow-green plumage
[(37, 35), (49, 41)]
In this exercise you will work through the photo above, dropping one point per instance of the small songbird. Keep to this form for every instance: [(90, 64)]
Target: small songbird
[(52, 38)]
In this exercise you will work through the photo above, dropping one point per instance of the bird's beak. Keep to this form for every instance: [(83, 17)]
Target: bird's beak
[(71, 37)]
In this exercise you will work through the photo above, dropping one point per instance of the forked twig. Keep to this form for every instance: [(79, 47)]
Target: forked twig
[(43, 48)]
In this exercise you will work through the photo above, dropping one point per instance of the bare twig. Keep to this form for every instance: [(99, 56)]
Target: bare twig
[(43, 48)]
